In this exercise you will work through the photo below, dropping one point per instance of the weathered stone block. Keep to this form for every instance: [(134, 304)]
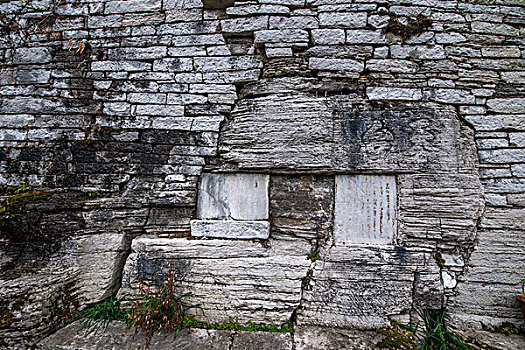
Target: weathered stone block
[(228, 278), (393, 93), (328, 36), (132, 6), (391, 65), (293, 22), (230, 229), (233, 196), (365, 37), (343, 19), (336, 64), (32, 55), (507, 105), (418, 52), (250, 10), (295, 36), (243, 25), (301, 206)]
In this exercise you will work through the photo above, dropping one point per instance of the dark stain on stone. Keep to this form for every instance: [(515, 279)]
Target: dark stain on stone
[(416, 25), (401, 254), (157, 270)]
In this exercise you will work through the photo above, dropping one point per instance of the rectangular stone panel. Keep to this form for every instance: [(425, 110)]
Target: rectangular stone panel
[(230, 229), (233, 196), (365, 209)]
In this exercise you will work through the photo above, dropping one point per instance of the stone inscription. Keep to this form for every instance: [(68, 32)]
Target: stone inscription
[(365, 209)]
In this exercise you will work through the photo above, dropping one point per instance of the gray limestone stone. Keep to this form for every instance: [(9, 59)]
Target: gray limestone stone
[(391, 65), (365, 37), (248, 9), (233, 197), (293, 22), (230, 229), (392, 93), (507, 105), (513, 77), (517, 139), (328, 36), (132, 6), (32, 55), (327, 338), (246, 280), (118, 337), (335, 64), (454, 96), (295, 36), (343, 19), (255, 341), (243, 25), (419, 52)]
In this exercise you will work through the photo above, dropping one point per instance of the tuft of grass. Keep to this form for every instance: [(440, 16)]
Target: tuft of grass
[(100, 315), (160, 309), (433, 334)]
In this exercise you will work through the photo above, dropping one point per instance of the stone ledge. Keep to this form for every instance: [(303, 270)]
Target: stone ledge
[(117, 337), (230, 229)]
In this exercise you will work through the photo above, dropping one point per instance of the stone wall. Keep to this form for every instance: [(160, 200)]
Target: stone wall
[(112, 111)]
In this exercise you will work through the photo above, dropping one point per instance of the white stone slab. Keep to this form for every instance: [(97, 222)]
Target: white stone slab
[(230, 229), (365, 209), (233, 196)]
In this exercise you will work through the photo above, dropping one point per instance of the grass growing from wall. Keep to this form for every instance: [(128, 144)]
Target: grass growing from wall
[(161, 310)]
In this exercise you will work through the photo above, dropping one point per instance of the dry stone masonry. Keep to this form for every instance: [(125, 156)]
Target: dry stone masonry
[(335, 164)]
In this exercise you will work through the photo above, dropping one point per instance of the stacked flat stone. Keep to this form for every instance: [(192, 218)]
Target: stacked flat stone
[(120, 132)]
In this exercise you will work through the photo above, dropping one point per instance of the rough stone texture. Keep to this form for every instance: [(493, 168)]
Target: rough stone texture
[(323, 338), (230, 229), (250, 281), (119, 133), (117, 337), (234, 197), (301, 206)]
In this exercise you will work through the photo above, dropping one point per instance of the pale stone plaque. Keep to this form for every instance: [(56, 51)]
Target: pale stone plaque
[(365, 209), (233, 196), (232, 206)]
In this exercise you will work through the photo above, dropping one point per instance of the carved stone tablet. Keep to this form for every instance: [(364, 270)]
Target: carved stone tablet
[(365, 209)]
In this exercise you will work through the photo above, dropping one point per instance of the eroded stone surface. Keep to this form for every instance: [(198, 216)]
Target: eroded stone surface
[(118, 337), (134, 119), (333, 338), (233, 196), (230, 229), (250, 281)]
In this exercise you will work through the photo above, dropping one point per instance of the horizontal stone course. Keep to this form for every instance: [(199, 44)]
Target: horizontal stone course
[(304, 90)]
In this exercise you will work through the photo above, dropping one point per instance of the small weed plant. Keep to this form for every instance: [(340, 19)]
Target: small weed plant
[(314, 255), (432, 333), (160, 309), (234, 325), (99, 316), (16, 197)]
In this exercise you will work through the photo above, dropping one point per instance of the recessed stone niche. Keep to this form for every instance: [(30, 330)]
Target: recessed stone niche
[(232, 206), (365, 209)]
